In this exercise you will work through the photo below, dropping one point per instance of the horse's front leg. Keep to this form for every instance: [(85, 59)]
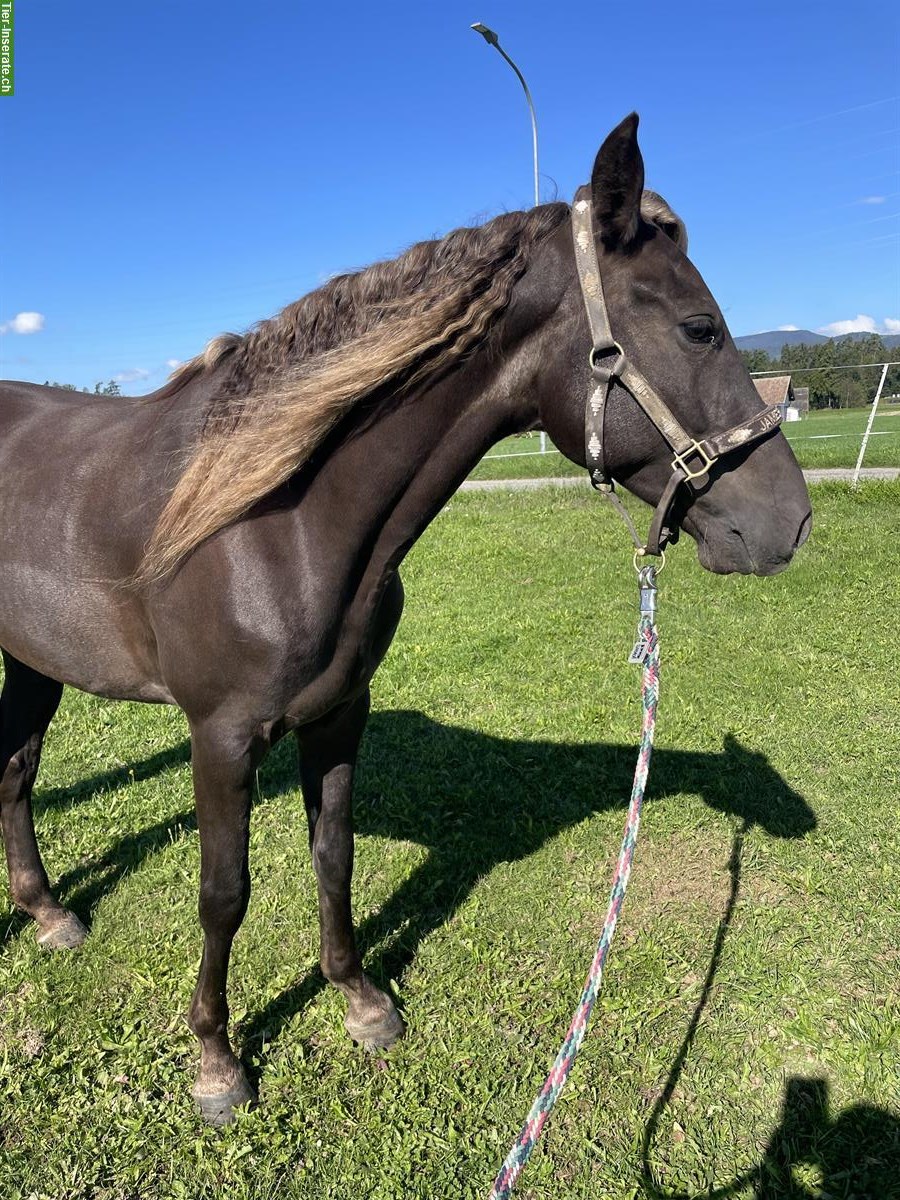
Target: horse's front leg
[(223, 772), (328, 751)]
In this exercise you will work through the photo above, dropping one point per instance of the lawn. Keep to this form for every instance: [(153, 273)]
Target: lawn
[(829, 438), (748, 1027)]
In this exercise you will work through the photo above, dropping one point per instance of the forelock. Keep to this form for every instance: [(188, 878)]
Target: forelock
[(658, 212)]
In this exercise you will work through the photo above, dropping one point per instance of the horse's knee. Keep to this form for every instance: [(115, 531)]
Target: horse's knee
[(21, 768), (332, 856), (223, 903)]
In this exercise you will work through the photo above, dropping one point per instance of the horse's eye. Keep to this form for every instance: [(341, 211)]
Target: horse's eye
[(700, 329)]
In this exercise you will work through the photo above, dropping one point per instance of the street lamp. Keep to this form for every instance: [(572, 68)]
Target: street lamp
[(493, 40)]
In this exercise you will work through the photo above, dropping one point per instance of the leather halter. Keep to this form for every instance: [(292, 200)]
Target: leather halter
[(692, 457)]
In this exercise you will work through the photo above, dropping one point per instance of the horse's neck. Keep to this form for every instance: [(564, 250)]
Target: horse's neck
[(395, 473)]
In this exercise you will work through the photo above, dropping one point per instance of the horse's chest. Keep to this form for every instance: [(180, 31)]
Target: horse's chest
[(357, 641)]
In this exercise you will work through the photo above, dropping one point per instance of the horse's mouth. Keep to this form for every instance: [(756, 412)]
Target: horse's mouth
[(738, 554)]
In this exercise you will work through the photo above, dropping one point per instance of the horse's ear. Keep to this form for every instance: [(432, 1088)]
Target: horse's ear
[(617, 182)]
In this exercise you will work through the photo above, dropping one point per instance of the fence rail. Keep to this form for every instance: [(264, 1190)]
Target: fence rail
[(546, 447)]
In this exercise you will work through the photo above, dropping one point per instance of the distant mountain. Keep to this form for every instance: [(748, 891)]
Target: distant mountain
[(774, 339)]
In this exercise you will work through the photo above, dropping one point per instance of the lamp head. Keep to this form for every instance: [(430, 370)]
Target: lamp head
[(488, 34)]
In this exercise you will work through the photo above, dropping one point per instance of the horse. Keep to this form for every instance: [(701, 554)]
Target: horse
[(231, 543)]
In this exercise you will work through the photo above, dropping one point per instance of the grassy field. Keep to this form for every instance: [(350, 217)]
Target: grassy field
[(748, 1028), (830, 438)]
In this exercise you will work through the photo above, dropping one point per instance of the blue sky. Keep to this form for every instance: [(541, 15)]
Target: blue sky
[(172, 170)]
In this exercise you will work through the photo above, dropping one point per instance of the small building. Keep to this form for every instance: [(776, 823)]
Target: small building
[(778, 389), (801, 400)]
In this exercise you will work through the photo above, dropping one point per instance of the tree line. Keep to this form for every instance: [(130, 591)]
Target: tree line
[(100, 389), (829, 388)]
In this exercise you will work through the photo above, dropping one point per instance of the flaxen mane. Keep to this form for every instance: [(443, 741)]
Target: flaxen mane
[(294, 377), (291, 379)]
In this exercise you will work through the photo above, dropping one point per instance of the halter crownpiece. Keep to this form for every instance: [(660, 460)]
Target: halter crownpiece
[(693, 457)]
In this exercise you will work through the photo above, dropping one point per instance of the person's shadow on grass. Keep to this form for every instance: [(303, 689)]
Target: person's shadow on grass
[(853, 1156), (856, 1153), (814, 1155)]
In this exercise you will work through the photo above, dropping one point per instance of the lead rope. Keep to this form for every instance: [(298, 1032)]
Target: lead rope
[(645, 652)]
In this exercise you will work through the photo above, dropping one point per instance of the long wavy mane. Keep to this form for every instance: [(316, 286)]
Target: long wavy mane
[(294, 377)]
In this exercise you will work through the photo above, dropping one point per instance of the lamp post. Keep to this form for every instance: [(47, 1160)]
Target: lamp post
[(493, 40)]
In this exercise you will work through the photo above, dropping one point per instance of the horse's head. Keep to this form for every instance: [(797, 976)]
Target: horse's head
[(750, 511)]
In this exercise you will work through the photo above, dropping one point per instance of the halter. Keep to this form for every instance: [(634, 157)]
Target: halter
[(693, 457)]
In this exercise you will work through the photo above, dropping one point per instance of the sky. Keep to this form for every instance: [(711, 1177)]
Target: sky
[(174, 170)]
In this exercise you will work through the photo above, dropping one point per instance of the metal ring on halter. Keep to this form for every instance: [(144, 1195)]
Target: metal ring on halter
[(640, 554), (600, 351)]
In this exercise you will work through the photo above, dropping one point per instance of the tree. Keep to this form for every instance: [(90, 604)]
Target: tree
[(757, 360), (100, 389), (814, 366)]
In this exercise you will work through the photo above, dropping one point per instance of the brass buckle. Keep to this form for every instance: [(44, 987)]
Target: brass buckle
[(679, 462)]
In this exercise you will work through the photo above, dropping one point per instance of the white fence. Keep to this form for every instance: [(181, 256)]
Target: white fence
[(546, 447)]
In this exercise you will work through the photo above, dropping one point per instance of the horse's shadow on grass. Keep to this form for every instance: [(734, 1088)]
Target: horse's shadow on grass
[(473, 800), (110, 781), (83, 887)]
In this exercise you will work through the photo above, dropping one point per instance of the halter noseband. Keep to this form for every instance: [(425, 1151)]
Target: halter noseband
[(692, 457)]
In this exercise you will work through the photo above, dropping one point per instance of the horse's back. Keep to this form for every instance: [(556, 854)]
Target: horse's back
[(51, 427), (64, 454), (69, 462)]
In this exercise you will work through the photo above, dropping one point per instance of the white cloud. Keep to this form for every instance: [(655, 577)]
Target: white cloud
[(858, 324), (24, 322), (132, 375), (172, 363), (788, 328), (873, 199)]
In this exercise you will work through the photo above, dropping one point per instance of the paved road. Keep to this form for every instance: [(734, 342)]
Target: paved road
[(822, 475)]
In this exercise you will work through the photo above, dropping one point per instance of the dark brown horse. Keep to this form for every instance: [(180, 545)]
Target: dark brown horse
[(231, 544)]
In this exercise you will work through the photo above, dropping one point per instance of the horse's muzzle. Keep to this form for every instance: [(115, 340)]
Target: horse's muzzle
[(737, 551)]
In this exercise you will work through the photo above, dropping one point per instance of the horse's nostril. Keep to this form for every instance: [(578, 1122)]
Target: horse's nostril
[(805, 527)]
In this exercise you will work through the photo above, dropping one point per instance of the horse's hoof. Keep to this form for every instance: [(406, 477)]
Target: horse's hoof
[(379, 1034), (217, 1108), (66, 933)]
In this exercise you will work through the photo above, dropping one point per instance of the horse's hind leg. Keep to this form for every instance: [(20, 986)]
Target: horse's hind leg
[(328, 751), (27, 705)]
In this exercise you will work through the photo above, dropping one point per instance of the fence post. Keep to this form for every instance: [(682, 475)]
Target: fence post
[(862, 449)]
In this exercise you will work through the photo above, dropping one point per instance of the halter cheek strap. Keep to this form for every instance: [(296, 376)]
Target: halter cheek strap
[(692, 458)]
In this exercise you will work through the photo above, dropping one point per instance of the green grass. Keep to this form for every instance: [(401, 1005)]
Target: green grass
[(829, 438), (490, 801)]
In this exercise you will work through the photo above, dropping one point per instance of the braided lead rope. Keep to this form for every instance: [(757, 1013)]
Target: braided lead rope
[(648, 643)]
